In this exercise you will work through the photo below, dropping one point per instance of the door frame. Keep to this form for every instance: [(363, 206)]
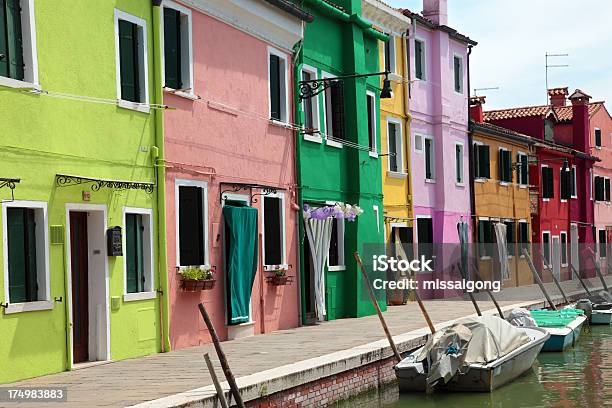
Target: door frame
[(554, 258), (100, 208)]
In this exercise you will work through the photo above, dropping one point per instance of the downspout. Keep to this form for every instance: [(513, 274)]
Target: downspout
[(471, 153), (158, 156), (406, 88)]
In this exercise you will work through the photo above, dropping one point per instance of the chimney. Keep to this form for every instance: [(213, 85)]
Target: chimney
[(580, 121), (436, 11), (558, 96), (476, 111)]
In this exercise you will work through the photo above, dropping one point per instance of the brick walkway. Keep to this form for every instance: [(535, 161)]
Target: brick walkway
[(133, 381)]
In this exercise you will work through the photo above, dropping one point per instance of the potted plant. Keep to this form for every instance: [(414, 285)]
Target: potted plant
[(194, 278), (279, 277)]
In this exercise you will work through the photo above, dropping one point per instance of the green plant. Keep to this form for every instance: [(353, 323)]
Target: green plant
[(280, 273), (196, 273)]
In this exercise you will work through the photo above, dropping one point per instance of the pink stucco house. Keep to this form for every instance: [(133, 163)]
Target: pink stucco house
[(230, 162), (439, 148)]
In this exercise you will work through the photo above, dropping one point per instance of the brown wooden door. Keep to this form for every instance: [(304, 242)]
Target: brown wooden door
[(80, 298)]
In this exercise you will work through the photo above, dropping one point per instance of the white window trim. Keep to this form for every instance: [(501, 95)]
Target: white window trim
[(283, 226), (503, 182), (341, 232), (480, 179), (518, 229), (423, 60), (42, 244), (316, 120), (328, 142), (370, 94), (563, 233), (392, 53), (549, 249), (484, 257), (519, 176), (462, 183), (433, 161), (204, 186), (399, 150), (186, 34), (542, 182), (595, 139), (416, 232), (461, 74), (138, 106), (150, 292), (285, 82), (30, 54), (418, 151), (575, 195)]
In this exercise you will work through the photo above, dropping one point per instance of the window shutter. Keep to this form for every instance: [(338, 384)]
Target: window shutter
[(272, 231), (428, 154), (337, 99), (457, 74), (191, 226), (475, 160), (134, 231), (172, 48), (525, 170), (388, 55), (4, 71), (128, 55), (275, 104), (31, 268), (418, 59), (607, 189), (550, 182), (17, 263), (392, 147), (565, 184), (14, 48), (598, 137), (599, 189), (485, 162)]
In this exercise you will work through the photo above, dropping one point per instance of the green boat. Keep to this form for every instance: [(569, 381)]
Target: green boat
[(564, 327)]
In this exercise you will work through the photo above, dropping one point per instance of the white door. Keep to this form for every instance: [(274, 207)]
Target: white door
[(574, 248), (556, 256)]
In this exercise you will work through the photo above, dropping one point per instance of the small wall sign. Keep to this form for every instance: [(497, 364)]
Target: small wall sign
[(114, 241), (86, 195)]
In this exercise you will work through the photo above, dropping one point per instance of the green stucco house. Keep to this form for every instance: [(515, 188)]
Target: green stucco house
[(338, 151)]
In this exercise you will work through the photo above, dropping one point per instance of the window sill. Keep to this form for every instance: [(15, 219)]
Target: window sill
[(396, 174), (180, 268), (269, 268), (459, 184), (523, 186), (373, 155), (17, 84), (314, 139), (187, 95), (332, 143), (431, 181), (131, 297), (336, 268), (136, 106), (564, 265), (504, 183), (485, 258), (279, 123), (574, 197), (28, 307), (546, 200), (480, 180)]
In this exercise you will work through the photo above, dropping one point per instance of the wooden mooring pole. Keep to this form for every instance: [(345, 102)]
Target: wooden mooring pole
[(580, 279), (470, 294), (537, 278), (222, 359), (213, 375), (598, 270), (398, 357), (499, 311)]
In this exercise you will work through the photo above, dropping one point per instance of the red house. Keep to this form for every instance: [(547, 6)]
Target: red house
[(561, 180)]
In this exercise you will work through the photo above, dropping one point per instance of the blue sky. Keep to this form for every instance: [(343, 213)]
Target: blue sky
[(514, 35)]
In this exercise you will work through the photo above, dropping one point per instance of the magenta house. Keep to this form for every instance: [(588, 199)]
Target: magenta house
[(438, 104), (229, 149)]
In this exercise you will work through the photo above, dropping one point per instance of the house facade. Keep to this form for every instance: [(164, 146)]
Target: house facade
[(337, 160), (79, 211), (560, 177), (231, 184), (394, 127), (438, 106), (500, 191)]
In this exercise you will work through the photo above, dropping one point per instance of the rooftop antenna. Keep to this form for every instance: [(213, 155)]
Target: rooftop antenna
[(553, 66), (484, 89)]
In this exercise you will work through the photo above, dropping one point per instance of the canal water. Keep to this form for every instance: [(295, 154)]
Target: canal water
[(580, 377)]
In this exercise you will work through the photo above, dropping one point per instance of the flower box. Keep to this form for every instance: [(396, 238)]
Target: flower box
[(189, 285), (277, 280), (196, 278)]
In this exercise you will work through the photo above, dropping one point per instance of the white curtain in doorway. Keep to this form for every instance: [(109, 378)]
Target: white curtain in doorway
[(502, 248), (319, 237)]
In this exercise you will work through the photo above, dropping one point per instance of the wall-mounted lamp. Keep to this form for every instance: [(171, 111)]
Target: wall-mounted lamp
[(313, 87)]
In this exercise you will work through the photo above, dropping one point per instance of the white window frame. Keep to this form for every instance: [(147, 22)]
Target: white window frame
[(392, 53), (575, 194), (546, 199), (433, 158), (283, 263), (420, 137), (520, 169), (372, 95), (503, 182), (327, 112), (341, 231), (561, 234), (285, 83), (316, 121), (143, 53), (549, 249), (147, 250), (462, 145), (489, 219), (595, 138), (42, 257), (186, 51), (416, 233), (401, 173), (423, 60), (518, 238), (204, 186), (461, 69), (30, 53), (476, 143)]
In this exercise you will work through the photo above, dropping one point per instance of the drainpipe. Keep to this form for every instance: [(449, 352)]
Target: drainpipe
[(406, 88), (470, 153), (158, 156)]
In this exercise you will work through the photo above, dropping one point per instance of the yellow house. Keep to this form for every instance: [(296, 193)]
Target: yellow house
[(500, 190), (395, 121)]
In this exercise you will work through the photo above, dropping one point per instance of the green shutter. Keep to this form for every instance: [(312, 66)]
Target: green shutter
[(21, 239), (11, 65), (457, 75), (172, 48), (134, 230), (524, 170), (3, 41), (484, 161), (128, 54), (30, 244), (275, 99)]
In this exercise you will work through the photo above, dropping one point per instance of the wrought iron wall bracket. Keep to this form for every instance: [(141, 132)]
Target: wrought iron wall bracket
[(313, 87), (237, 187), (9, 182), (63, 180)]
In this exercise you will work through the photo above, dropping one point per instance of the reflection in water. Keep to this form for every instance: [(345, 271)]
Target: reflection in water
[(580, 377)]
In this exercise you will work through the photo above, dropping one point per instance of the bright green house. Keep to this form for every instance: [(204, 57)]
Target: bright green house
[(338, 150), (79, 216)]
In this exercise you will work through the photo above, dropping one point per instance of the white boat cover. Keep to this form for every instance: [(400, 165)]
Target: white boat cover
[(521, 317), (478, 340)]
